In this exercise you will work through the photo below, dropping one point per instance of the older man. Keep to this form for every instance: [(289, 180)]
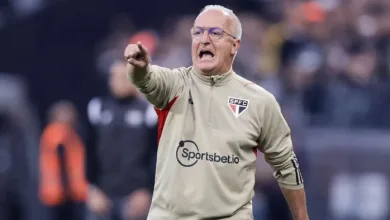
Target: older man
[(211, 123)]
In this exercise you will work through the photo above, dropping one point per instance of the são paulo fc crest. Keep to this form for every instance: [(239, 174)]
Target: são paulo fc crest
[(238, 106)]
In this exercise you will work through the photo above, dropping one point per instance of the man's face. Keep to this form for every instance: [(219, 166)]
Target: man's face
[(120, 86), (66, 115), (212, 54)]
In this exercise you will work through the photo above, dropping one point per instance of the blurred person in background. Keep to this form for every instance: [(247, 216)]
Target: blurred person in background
[(62, 158), (11, 172), (350, 97), (173, 50), (18, 150), (190, 100), (122, 154), (121, 28)]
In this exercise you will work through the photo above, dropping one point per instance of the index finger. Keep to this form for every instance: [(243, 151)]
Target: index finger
[(142, 48)]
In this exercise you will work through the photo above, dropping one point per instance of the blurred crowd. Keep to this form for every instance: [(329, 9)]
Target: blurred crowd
[(327, 62)]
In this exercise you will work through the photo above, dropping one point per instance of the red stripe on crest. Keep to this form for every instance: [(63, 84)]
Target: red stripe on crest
[(233, 107)]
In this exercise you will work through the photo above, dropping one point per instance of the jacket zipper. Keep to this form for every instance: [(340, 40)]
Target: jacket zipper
[(212, 79)]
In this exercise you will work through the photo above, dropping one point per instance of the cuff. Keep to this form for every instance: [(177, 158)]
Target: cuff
[(290, 179)]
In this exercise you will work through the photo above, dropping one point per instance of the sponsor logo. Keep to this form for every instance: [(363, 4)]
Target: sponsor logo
[(188, 154), (238, 106)]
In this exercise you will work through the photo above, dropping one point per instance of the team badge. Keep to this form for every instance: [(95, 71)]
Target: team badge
[(238, 106)]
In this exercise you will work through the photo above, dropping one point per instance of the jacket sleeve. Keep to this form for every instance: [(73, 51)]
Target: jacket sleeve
[(276, 144), (159, 85)]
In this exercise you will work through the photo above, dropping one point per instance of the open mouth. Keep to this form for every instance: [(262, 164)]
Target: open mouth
[(205, 54)]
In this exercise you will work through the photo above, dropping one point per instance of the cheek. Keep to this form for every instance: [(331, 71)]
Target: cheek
[(224, 51), (194, 46)]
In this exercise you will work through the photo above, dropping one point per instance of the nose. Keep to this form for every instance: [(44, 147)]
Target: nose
[(205, 39)]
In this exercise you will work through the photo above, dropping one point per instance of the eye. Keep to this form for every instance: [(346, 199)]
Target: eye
[(217, 32), (196, 32)]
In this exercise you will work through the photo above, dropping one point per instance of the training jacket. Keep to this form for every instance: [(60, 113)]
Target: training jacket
[(120, 150), (210, 128)]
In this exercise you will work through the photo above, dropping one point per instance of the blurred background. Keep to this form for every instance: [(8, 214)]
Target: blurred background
[(64, 109)]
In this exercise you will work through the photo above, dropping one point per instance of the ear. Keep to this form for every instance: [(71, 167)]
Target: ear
[(236, 46)]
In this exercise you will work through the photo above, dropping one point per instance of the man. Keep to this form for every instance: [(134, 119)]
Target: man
[(19, 138), (12, 169), (211, 123), (62, 181), (120, 160)]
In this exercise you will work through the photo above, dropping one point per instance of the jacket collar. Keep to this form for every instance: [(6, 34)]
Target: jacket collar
[(213, 80)]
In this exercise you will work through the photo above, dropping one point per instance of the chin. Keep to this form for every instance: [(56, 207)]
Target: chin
[(206, 68)]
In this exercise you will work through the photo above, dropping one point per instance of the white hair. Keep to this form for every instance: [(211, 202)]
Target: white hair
[(237, 32)]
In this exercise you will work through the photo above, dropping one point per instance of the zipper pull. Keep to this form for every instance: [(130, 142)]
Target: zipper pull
[(212, 80)]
